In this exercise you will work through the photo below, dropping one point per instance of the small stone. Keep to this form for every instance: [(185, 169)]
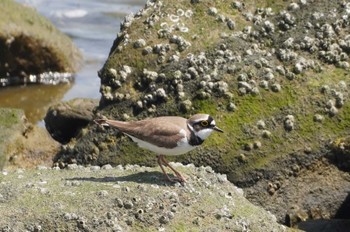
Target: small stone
[(128, 204), (213, 11), (139, 43), (276, 87), (231, 106), (102, 193), (70, 216), (119, 202), (318, 118), (261, 124), (231, 24), (293, 6), (222, 178), (242, 157), (72, 166), (289, 122), (164, 219), (248, 146), (257, 144), (186, 105), (95, 168), (160, 93), (147, 50), (333, 111), (107, 167), (130, 221), (40, 167), (266, 134)]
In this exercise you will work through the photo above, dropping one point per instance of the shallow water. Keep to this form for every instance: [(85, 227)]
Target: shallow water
[(93, 25)]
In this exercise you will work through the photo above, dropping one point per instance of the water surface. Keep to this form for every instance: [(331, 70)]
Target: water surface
[(93, 25)]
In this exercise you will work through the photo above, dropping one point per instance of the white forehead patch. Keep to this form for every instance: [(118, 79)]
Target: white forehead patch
[(213, 123)]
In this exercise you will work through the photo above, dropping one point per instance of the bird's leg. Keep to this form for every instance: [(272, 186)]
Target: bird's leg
[(161, 166), (178, 175)]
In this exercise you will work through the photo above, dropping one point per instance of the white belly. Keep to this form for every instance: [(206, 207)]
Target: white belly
[(182, 147)]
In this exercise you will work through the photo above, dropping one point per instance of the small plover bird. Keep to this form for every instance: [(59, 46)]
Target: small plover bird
[(168, 135)]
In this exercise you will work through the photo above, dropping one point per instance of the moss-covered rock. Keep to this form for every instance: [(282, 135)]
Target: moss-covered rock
[(23, 144), (220, 67), (11, 126), (272, 73), (31, 44)]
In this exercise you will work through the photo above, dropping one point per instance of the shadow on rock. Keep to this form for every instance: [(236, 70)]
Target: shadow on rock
[(141, 177), (344, 210), (333, 225)]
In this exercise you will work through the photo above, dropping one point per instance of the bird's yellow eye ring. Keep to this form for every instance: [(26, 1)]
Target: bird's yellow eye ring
[(204, 123)]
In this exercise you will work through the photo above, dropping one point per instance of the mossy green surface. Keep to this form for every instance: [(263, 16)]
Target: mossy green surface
[(232, 152), (11, 125)]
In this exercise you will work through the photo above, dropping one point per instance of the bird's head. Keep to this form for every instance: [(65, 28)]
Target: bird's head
[(202, 125)]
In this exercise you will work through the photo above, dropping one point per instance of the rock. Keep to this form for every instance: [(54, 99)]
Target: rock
[(22, 144), (31, 44), (341, 152), (66, 119), (292, 52), (289, 121), (145, 200), (139, 43), (12, 126)]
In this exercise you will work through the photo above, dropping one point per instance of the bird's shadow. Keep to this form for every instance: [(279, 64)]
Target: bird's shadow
[(145, 177)]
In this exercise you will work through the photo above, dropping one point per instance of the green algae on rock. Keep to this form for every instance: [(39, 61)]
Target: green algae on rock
[(281, 63), (31, 45), (11, 126), (22, 144)]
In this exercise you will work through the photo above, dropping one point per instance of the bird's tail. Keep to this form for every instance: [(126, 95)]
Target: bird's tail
[(102, 122)]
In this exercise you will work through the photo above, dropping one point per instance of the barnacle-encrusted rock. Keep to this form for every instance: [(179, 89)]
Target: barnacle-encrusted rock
[(300, 50), (127, 205)]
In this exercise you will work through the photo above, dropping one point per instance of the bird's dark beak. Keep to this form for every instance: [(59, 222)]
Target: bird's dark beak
[(218, 129)]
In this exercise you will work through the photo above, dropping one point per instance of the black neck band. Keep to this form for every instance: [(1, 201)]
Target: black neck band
[(194, 139)]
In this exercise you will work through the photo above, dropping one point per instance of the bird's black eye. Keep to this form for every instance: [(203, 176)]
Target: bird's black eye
[(204, 123)]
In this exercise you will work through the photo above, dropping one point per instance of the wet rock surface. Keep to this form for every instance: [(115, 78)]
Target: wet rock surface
[(32, 49), (130, 198)]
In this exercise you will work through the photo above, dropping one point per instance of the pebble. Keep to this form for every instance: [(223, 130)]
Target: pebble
[(266, 134), (213, 11), (102, 193), (95, 168), (231, 106), (139, 43), (261, 124), (276, 87), (289, 121), (318, 118), (72, 166), (106, 167)]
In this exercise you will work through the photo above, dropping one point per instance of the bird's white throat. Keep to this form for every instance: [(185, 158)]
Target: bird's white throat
[(204, 133)]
